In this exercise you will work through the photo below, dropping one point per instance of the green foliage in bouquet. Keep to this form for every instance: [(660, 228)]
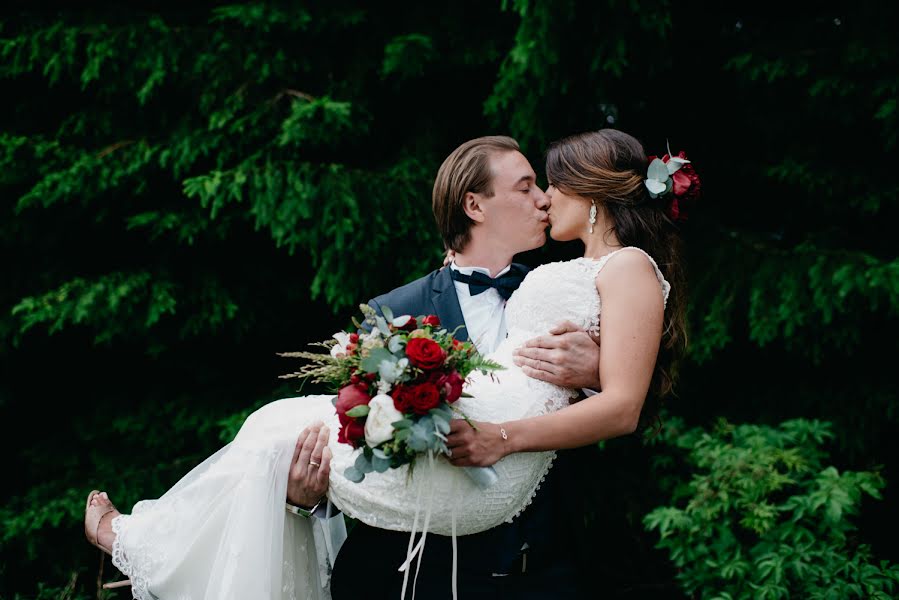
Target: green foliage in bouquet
[(761, 515)]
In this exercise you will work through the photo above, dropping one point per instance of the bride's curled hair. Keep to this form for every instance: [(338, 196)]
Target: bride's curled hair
[(609, 167)]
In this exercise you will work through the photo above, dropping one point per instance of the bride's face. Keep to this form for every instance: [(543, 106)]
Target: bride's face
[(569, 215)]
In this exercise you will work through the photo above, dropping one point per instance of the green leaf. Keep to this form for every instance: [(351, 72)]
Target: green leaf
[(354, 474), (359, 411), (372, 363), (657, 171)]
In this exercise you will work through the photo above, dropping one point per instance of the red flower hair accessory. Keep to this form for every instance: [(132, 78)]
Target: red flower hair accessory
[(673, 176)]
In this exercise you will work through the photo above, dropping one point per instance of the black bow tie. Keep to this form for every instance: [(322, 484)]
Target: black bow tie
[(478, 282)]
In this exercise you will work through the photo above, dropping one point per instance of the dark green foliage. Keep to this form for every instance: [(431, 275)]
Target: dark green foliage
[(761, 515), (187, 191)]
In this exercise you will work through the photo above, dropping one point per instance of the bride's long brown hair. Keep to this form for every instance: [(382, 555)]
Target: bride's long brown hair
[(609, 166)]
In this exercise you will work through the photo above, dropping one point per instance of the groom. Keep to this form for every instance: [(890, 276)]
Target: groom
[(488, 208)]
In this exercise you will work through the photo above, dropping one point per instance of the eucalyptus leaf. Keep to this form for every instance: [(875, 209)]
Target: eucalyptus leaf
[(401, 321), (442, 410), (674, 164), (402, 424), (388, 314), (422, 436), (372, 362), (382, 325), (358, 411), (442, 425), (655, 187), (363, 464), (378, 453), (380, 464), (657, 170), (354, 474), (396, 344)]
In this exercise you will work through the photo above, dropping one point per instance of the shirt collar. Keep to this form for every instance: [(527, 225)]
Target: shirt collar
[(470, 270)]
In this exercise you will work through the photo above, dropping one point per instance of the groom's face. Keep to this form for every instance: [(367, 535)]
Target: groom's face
[(515, 215)]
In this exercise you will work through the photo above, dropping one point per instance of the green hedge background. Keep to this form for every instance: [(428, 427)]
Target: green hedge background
[(188, 190)]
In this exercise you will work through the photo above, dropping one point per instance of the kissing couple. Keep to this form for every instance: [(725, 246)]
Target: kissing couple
[(587, 347)]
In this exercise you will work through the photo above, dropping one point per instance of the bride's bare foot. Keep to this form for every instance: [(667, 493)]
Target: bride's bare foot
[(98, 515)]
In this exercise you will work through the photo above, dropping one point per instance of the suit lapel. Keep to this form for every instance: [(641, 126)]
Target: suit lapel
[(446, 304)]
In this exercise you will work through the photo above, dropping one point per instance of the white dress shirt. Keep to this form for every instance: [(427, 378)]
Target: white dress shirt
[(484, 314)]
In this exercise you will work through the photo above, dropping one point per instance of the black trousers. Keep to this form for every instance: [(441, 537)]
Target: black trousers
[(367, 564)]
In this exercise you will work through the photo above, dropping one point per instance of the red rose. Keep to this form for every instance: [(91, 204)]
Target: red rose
[(411, 324), (352, 433), (349, 397), (424, 353), (424, 397), (451, 386), (674, 210), (402, 399), (431, 321), (354, 338)]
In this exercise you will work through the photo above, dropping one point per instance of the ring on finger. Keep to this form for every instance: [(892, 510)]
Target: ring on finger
[(314, 463)]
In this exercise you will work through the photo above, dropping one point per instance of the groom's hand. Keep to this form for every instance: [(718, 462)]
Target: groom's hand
[(568, 357), (307, 483)]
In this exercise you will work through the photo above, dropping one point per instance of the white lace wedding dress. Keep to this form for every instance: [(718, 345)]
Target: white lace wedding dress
[(222, 531)]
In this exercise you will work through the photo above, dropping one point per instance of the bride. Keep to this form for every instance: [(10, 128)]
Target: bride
[(222, 531)]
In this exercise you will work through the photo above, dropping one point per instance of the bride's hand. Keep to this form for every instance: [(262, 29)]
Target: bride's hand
[(471, 448)]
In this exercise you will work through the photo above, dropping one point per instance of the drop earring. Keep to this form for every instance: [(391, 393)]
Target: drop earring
[(592, 215)]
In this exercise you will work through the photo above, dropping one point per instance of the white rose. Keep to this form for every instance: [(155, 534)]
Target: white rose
[(381, 413)]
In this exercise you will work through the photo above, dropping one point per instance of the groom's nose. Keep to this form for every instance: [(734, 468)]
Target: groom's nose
[(543, 201)]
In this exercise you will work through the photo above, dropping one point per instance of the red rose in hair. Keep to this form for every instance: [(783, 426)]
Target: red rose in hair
[(352, 433), (424, 397), (431, 321), (685, 188), (451, 385), (686, 181), (349, 397), (424, 353)]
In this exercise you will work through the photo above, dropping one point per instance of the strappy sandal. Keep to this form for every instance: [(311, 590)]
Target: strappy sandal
[(91, 531)]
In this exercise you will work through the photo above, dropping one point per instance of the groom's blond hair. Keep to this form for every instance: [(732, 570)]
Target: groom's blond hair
[(467, 169)]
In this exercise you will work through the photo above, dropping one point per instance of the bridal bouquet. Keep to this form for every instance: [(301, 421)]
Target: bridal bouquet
[(396, 382)]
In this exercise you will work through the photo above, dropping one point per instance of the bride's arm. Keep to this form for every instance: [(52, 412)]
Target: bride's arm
[(630, 333)]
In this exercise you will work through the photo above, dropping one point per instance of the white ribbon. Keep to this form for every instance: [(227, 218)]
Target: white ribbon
[(419, 548), (453, 495), (414, 549)]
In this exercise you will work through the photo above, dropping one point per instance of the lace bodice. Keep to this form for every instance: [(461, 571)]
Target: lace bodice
[(563, 291)]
